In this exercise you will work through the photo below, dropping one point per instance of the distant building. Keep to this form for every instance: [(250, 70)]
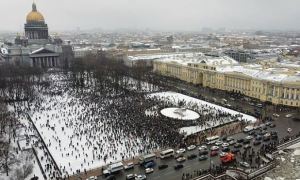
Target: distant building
[(37, 48), (240, 56), (278, 83)]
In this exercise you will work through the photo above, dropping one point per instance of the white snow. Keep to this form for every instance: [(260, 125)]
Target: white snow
[(178, 113)]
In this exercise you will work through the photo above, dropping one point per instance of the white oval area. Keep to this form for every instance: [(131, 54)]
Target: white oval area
[(180, 113)]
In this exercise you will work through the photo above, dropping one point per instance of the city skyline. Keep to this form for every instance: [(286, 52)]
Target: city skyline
[(176, 15)]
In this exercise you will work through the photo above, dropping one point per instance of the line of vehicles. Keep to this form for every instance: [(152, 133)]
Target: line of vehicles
[(225, 148)]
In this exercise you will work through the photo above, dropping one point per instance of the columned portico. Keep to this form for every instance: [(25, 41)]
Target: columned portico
[(44, 58)]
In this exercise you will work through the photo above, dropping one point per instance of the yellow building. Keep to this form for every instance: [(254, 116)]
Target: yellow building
[(277, 84)]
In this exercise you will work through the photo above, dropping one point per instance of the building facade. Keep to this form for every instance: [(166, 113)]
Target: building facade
[(37, 48), (285, 90)]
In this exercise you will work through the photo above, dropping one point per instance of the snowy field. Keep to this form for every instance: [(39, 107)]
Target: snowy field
[(201, 107)]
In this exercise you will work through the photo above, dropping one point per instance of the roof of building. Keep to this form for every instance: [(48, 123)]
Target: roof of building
[(34, 16)]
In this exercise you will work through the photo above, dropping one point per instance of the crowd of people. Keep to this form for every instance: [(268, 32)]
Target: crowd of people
[(85, 128)]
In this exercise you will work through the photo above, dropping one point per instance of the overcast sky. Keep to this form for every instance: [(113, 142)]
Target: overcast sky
[(155, 14)]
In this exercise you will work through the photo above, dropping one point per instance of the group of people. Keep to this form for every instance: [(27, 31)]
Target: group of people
[(85, 128)]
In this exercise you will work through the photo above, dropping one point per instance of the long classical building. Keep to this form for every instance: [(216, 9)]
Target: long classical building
[(278, 83), (37, 48)]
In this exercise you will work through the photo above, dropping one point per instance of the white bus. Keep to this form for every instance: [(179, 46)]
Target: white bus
[(167, 153), (212, 139), (113, 168), (147, 158)]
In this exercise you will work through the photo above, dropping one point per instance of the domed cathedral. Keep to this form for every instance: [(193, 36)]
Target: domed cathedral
[(35, 27), (36, 48)]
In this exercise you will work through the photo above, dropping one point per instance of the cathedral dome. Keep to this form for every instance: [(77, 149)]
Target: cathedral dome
[(34, 16)]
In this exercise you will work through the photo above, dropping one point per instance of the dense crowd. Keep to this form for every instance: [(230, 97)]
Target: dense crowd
[(87, 127)]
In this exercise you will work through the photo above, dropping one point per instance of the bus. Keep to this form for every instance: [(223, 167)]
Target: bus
[(167, 153), (211, 140), (113, 168), (147, 158)]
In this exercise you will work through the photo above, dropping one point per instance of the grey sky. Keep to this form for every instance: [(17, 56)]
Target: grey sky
[(155, 14)]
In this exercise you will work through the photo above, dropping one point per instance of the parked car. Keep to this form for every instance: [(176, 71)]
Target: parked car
[(149, 170), (240, 140), (247, 146), (130, 176), (276, 115), (244, 164), (180, 151), (203, 152), (249, 137), (178, 166), (235, 150), (110, 177), (289, 115), (258, 137), (246, 141), (214, 148), (232, 142), (218, 143), (163, 166), (256, 142), (202, 158), (237, 145), (181, 159), (191, 147), (225, 149), (192, 156), (92, 178), (150, 164), (225, 145), (141, 177), (213, 153), (203, 147), (129, 166)]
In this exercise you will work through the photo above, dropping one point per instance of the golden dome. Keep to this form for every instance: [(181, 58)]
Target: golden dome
[(34, 15)]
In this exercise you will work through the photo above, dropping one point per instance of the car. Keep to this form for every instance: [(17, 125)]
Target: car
[(258, 137), (249, 137), (141, 177), (259, 105), (246, 141), (237, 145), (149, 170), (224, 139), (252, 133), (247, 146), (110, 177), (225, 145), (192, 156), (235, 150), (218, 143), (150, 164), (203, 152), (92, 178), (262, 132), (288, 115), (229, 139), (178, 166), (214, 148), (272, 125), (256, 142), (202, 158), (130, 176), (163, 166), (191, 147), (181, 159), (203, 147), (225, 149), (267, 135), (266, 138), (240, 140), (180, 151), (244, 164), (251, 104), (232, 142), (213, 153), (222, 154), (129, 166), (276, 115)]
